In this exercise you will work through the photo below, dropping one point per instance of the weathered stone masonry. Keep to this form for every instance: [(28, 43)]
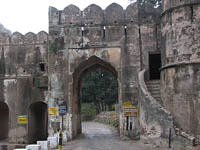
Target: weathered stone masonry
[(180, 62), (41, 71), (92, 37), (21, 57)]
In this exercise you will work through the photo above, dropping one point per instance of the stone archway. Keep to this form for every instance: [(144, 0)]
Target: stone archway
[(4, 119), (38, 122), (91, 64)]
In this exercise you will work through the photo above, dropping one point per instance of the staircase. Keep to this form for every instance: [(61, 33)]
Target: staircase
[(153, 87)]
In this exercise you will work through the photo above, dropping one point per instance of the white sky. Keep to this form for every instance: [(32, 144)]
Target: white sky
[(32, 15)]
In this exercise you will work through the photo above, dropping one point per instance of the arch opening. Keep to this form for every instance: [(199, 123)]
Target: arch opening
[(98, 93), (4, 119), (92, 65), (38, 122)]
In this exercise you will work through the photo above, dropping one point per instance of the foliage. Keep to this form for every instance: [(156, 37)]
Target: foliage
[(100, 88), (154, 2), (52, 47), (88, 109)]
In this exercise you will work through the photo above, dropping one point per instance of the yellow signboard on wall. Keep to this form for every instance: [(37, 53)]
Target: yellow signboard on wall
[(126, 104), (131, 111), (52, 111), (22, 120)]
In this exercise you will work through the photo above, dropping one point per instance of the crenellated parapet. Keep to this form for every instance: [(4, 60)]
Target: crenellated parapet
[(29, 38), (22, 55), (95, 15)]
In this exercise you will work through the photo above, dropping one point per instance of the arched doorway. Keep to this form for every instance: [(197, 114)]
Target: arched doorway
[(38, 122), (93, 63), (4, 118)]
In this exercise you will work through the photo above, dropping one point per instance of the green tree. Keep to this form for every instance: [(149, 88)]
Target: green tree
[(154, 2), (100, 88)]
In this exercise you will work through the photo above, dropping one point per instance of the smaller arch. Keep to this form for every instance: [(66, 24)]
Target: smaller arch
[(93, 14), (42, 37), (4, 120), (17, 38), (71, 15), (38, 122), (52, 10), (131, 12), (114, 13), (30, 37), (4, 38), (53, 16)]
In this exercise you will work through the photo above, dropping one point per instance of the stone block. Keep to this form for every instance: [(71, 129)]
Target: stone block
[(45, 145), (53, 142), (33, 147)]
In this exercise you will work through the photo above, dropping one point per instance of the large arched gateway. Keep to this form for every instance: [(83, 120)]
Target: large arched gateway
[(86, 66), (128, 43)]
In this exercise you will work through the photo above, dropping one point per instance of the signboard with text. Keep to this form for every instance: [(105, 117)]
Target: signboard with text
[(22, 120), (130, 111), (52, 111)]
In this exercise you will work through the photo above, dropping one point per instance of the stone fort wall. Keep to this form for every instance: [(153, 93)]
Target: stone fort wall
[(22, 82), (180, 62), (121, 38)]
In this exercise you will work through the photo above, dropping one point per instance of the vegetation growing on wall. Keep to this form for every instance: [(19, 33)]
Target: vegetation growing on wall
[(156, 3)]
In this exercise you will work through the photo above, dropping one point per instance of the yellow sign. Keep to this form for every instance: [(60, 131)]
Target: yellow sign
[(131, 111), (22, 120), (126, 104), (52, 111)]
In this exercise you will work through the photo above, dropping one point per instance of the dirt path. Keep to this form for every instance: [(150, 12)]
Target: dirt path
[(97, 136)]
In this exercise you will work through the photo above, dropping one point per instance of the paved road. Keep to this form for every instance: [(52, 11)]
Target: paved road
[(97, 136)]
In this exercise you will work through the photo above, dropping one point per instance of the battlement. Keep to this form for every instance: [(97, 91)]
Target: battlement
[(18, 38), (172, 4), (114, 14)]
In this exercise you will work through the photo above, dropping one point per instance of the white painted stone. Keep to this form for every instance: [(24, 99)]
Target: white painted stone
[(33, 147), (45, 145), (53, 142)]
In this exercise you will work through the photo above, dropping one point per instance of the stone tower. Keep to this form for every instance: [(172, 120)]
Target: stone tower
[(180, 72)]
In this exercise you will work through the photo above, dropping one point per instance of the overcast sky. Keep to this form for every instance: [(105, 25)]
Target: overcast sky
[(32, 15)]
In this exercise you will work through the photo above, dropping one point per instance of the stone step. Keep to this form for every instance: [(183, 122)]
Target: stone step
[(154, 91), (153, 82), (153, 87)]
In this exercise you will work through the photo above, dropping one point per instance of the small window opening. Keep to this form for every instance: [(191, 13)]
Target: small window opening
[(104, 31), (42, 67), (82, 30), (125, 31), (115, 22), (192, 13), (59, 20)]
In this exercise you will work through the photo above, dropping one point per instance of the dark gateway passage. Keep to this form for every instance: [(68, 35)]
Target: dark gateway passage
[(4, 118), (38, 122)]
